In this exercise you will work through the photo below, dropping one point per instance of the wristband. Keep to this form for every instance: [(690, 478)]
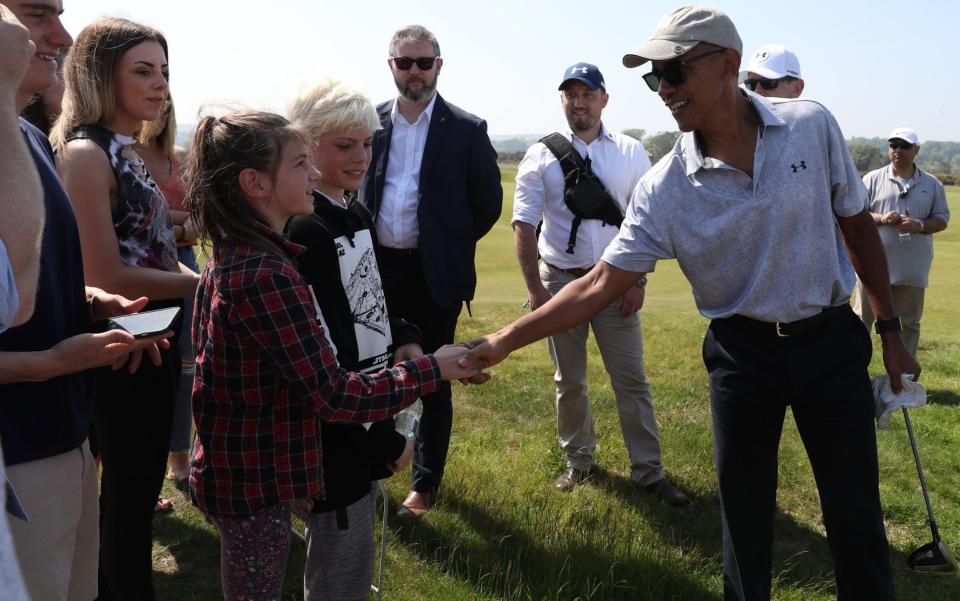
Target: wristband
[(641, 282), (921, 225), (882, 326)]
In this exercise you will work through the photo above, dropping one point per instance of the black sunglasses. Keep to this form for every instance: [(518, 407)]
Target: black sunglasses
[(900, 145), (404, 63), (766, 84), (673, 71)]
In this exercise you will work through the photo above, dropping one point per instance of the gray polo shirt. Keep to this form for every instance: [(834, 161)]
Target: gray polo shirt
[(767, 247), (909, 261)]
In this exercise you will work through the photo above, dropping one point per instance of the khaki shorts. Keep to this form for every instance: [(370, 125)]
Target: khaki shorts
[(58, 548)]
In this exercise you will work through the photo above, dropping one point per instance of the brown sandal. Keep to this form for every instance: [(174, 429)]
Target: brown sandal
[(163, 505)]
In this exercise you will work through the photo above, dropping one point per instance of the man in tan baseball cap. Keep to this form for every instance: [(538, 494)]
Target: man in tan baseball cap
[(747, 194), (748, 202)]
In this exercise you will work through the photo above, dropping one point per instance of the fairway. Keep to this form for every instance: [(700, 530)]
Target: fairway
[(500, 531)]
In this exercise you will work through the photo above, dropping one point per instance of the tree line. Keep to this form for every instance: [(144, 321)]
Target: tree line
[(938, 158)]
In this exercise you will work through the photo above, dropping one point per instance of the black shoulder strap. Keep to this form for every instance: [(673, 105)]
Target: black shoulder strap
[(570, 160), (572, 165)]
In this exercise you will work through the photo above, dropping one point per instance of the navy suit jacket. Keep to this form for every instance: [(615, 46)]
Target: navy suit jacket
[(460, 196)]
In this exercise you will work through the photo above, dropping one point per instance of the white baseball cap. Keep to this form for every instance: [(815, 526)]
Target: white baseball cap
[(772, 61), (904, 133)]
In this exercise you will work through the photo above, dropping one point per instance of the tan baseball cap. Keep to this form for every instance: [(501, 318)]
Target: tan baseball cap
[(683, 29)]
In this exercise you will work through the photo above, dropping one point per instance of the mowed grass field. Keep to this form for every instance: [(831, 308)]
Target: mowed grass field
[(500, 531)]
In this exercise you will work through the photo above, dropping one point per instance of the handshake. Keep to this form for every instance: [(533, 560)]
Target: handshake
[(467, 360)]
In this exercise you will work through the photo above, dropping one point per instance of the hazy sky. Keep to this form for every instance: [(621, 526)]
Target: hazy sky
[(876, 65)]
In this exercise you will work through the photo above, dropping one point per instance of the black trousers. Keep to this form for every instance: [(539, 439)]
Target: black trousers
[(822, 375), (132, 419), (408, 298)]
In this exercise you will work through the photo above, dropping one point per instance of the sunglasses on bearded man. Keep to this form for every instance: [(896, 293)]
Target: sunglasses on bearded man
[(404, 63)]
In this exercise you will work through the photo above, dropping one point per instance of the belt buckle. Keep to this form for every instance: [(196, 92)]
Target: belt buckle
[(780, 332)]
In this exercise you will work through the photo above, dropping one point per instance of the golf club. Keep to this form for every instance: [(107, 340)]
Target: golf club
[(934, 557)]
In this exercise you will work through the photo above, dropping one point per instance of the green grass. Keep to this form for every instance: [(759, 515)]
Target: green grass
[(499, 531)]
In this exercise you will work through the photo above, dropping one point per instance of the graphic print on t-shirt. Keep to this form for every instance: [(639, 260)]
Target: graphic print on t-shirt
[(365, 294), (361, 282)]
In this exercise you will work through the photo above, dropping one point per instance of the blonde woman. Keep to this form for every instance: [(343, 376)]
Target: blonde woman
[(116, 79)]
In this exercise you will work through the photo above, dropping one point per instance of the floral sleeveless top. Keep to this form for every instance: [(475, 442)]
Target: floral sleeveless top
[(141, 218)]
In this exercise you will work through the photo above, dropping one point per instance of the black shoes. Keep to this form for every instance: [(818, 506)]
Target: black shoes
[(667, 492)]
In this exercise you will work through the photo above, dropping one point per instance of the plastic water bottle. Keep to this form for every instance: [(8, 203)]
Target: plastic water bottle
[(904, 236), (407, 422)]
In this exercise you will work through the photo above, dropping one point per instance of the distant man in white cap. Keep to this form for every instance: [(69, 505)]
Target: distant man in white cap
[(782, 331), (908, 206), (773, 72), (569, 246)]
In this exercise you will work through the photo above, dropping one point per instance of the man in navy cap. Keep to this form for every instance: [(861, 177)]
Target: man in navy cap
[(568, 248)]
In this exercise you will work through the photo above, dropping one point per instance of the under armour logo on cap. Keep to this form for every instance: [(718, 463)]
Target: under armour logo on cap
[(586, 73), (772, 61)]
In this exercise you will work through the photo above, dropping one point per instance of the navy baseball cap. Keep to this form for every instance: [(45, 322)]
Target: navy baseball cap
[(586, 73)]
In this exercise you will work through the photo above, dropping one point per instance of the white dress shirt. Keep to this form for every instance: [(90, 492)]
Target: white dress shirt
[(619, 161), (397, 225)]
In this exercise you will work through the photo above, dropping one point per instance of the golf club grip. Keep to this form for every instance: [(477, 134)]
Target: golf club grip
[(923, 482)]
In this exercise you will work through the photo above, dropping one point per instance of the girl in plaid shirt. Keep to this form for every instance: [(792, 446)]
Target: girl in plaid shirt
[(266, 372)]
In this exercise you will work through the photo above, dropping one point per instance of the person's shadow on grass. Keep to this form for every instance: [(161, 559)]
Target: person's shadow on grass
[(501, 560), (801, 557)]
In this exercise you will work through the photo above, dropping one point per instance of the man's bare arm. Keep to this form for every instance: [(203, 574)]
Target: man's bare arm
[(577, 302), (21, 200), (525, 238), (870, 262)]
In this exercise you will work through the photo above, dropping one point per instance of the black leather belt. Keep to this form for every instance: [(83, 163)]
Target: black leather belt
[(400, 252), (577, 272), (793, 328)]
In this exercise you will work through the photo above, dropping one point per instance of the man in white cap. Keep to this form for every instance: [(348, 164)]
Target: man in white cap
[(782, 331), (908, 206), (773, 72), (569, 246)]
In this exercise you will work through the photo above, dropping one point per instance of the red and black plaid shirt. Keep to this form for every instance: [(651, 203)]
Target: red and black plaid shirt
[(265, 372)]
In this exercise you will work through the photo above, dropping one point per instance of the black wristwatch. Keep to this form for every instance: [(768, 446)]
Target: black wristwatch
[(882, 326), (641, 282)]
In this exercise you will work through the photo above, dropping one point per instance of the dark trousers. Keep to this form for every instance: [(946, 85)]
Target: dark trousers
[(132, 418), (822, 375), (408, 298)]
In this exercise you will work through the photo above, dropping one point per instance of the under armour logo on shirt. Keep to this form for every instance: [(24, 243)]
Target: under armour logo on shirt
[(802, 165), (574, 70)]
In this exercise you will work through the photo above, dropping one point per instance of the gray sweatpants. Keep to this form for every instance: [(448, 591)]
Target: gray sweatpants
[(339, 563)]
